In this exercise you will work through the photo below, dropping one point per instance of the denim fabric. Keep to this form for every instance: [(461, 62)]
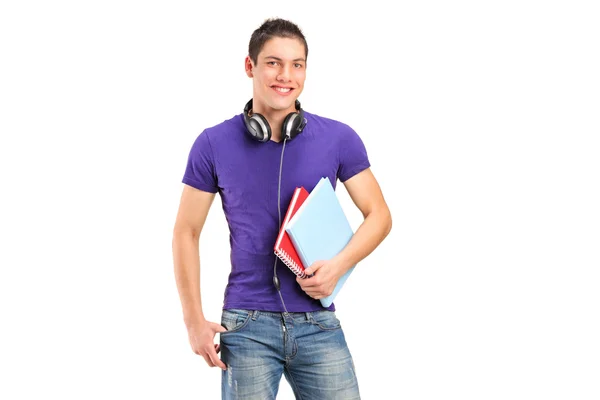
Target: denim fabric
[(309, 349)]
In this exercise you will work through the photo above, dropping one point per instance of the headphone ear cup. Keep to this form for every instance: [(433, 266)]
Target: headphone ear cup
[(258, 127), (291, 123)]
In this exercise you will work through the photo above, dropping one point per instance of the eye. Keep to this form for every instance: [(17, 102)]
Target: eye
[(298, 65), (272, 62)]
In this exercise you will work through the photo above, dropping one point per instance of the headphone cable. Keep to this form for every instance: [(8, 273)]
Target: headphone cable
[(275, 278)]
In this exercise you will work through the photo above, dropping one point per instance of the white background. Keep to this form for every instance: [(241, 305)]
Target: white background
[(481, 120)]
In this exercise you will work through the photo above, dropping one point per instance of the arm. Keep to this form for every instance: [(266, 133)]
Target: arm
[(366, 194), (193, 210)]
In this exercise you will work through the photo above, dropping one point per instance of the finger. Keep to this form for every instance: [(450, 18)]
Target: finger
[(314, 267), (217, 348), (317, 293), (307, 283), (219, 328), (207, 359), (216, 360), (301, 282)]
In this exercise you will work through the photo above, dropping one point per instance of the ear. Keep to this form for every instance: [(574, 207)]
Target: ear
[(248, 66)]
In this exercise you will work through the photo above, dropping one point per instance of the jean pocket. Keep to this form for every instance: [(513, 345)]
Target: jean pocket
[(325, 320), (234, 319)]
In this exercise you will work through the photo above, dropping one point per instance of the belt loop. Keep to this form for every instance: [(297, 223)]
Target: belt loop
[(307, 316), (254, 315)]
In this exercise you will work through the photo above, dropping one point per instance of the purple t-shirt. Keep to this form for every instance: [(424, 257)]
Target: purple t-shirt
[(245, 173)]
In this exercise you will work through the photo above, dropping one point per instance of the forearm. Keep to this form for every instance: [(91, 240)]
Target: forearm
[(375, 227), (187, 275)]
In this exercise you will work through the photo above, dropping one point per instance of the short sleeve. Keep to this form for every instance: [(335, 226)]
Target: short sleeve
[(200, 169), (353, 155)]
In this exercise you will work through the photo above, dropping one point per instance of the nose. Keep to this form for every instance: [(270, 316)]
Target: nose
[(284, 74)]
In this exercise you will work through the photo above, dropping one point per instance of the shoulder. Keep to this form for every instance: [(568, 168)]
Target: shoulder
[(214, 137), (229, 127), (221, 135), (331, 126)]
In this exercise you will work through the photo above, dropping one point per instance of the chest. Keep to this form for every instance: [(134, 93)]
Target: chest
[(256, 170)]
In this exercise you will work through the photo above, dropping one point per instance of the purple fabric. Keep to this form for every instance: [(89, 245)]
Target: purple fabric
[(245, 173)]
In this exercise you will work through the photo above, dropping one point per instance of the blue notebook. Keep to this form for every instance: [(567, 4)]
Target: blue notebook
[(320, 229)]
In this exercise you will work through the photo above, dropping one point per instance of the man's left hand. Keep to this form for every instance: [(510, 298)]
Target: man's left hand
[(322, 278)]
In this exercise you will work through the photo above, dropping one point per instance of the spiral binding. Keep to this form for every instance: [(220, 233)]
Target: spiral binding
[(291, 264)]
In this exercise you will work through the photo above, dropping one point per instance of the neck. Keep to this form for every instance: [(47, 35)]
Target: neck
[(274, 117)]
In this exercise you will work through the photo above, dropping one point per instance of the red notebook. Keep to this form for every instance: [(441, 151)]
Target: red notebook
[(284, 248)]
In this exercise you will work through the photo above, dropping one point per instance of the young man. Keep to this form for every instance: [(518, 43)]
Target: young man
[(272, 321)]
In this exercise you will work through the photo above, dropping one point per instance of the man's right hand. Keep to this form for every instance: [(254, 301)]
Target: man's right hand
[(202, 340)]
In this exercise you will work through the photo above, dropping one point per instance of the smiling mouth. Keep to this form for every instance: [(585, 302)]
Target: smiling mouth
[(282, 90)]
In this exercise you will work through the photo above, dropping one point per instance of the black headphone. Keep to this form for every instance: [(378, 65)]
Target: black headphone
[(258, 127)]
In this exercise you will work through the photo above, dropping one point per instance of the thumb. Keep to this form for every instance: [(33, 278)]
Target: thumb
[(314, 267), (219, 328)]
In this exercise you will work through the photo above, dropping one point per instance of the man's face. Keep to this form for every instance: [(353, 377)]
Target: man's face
[(278, 76)]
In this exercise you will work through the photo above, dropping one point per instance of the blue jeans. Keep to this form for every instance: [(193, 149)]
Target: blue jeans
[(308, 348)]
